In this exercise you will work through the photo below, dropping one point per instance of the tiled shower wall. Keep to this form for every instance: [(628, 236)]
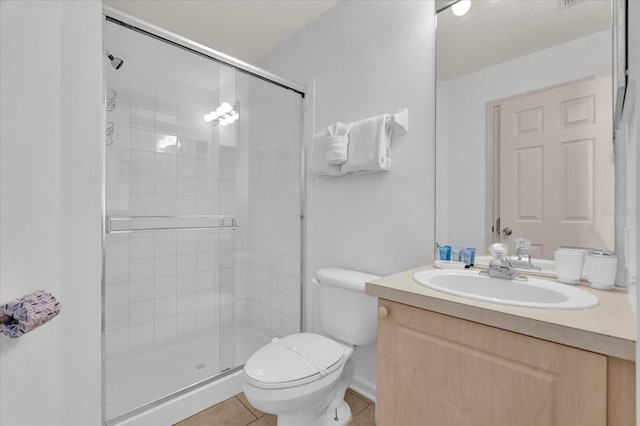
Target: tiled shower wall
[(163, 159), (274, 209), (163, 162)]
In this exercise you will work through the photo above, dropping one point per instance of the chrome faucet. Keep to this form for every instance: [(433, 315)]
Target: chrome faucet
[(500, 266), (522, 257)]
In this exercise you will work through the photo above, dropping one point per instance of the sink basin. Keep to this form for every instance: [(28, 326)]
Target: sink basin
[(533, 293)]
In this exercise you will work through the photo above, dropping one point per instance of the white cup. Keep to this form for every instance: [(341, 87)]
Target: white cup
[(569, 264), (601, 269)]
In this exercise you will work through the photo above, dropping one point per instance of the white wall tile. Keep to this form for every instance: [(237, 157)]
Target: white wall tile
[(141, 334), (142, 161), (141, 182), (187, 302), (117, 247), (187, 166), (118, 204), (206, 261), (165, 286), (116, 317), (166, 243), (166, 123), (116, 294), (206, 279), (165, 307), (166, 99), (142, 118), (117, 181), (141, 290), (141, 204), (187, 242), (117, 158), (186, 263), (187, 147), (116, 340), (142, 139), (116, 271), (165, 205), (187, 283), (142, 245), (142, 94), (141, 311), (165, 327), (188, 186), (206, 318), (141, 269), (165, 163), (187, 322), (226, 276), (165, 265)]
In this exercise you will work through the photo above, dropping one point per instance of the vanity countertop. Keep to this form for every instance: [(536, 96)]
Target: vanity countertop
[(609, 328)]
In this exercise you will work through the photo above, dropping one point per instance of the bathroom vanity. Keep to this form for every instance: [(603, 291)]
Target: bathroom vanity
[(444, 359)]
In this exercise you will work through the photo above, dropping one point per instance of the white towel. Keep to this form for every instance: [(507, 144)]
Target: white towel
[(336, 152), (369, 146), (317, 164)]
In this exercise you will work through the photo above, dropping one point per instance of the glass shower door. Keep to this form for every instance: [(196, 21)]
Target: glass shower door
[(204, 207), (171, 221)]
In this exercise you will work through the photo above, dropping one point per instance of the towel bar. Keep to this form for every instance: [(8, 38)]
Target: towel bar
[(118, 225)]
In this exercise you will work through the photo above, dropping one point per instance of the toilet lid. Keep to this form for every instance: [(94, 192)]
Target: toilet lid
[(293, 360)]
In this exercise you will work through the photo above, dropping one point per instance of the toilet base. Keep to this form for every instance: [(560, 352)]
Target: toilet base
[(339, 417), (342, 414)]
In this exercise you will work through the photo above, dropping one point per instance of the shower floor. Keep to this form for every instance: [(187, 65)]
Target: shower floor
[(133, 380)]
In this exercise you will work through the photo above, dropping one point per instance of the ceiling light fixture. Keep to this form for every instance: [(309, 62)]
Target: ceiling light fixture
[(461, 7), (224, 115)]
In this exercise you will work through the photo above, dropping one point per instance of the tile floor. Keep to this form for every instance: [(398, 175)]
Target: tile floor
[(237, 411)]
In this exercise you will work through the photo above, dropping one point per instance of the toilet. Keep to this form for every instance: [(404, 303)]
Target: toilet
[(302, 378)]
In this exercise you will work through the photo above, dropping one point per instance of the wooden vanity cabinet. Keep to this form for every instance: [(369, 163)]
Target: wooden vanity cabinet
[(435, 369)]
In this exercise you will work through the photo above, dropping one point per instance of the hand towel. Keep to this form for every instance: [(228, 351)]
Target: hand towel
[(317, 164), (369, 146), (28, 312), (336, 151)]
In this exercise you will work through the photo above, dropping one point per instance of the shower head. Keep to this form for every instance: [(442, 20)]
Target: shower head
[(115, 61)]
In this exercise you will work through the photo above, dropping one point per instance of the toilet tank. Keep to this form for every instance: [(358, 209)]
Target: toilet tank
[(346, 312)]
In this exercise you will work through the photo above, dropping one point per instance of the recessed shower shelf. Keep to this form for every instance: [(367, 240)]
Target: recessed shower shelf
[(128, 224)]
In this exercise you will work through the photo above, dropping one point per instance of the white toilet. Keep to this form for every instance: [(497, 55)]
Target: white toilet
[(302, 377)]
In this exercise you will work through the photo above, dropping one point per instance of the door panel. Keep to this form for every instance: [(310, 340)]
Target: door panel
[(557, 167)]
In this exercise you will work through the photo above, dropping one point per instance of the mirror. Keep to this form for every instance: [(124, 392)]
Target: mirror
[(524, 110)]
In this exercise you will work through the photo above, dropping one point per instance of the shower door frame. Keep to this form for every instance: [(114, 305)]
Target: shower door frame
[(112, 15)]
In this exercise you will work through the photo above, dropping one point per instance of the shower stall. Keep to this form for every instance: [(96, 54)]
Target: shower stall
[(204, 208)]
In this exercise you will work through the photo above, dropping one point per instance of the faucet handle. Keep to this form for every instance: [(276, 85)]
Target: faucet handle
[(499, 251), (521, 243)]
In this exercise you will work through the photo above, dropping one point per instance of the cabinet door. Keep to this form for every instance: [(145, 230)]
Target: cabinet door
[(438, 370)]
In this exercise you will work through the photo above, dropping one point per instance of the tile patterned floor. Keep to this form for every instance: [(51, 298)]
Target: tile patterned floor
[(237, 411)]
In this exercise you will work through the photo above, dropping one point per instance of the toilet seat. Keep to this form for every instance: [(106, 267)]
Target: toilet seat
[(293, 361)]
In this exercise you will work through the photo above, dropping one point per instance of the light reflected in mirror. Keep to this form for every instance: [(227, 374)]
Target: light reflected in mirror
[(524, 125)]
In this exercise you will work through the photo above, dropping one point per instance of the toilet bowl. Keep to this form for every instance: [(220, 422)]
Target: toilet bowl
[(302, 378)]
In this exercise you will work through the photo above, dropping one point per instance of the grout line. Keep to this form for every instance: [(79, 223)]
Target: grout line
[(360, 397), (248, 408)]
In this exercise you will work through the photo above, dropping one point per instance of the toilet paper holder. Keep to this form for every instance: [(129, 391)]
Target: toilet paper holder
[(22, 315)]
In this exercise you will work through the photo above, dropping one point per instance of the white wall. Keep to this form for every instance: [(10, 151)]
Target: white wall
[(631, 136), (50, 198), (369, 58), (461, 103)]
